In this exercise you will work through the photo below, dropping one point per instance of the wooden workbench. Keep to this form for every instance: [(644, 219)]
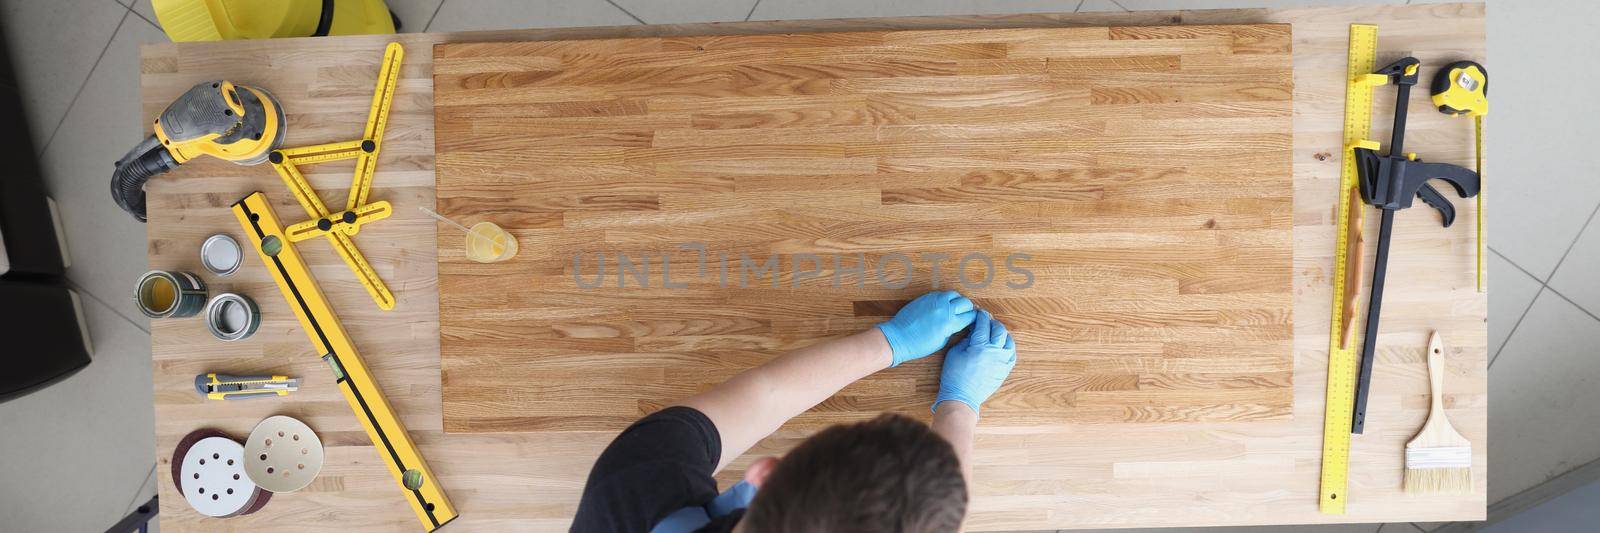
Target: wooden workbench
[(1123, 475)]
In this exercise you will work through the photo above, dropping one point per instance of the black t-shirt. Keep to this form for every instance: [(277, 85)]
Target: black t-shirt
[(660, 464)]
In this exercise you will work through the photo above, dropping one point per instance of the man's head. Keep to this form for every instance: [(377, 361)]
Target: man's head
[(891, 473)]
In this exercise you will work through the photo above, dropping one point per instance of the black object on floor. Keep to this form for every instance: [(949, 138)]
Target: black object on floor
[(139, 519), (43, 327), (29, 246)]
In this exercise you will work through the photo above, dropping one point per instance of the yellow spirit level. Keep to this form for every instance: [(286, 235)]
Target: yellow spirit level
[(388, 435)]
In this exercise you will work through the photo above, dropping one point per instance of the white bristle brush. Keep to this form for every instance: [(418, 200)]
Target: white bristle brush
[(1438, 459)]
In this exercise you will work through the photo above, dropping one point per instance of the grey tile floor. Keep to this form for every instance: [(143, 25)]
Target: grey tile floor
[(78, 456)]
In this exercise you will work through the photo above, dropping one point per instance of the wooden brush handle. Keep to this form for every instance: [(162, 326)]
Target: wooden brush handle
[(1436, 375), (1352, 269), (1438, 440)]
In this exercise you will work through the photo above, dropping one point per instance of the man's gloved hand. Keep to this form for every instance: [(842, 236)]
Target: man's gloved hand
[(926, 324), (976, 366)]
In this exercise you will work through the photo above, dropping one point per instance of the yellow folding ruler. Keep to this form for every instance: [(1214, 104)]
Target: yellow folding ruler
[(1342, 360), (316, 316), (340, 226)]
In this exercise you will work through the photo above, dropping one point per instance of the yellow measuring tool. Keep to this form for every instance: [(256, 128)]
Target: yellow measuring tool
[(1483, 242), (1342, 359), (388, 435), (341, 225), (1462, 89)]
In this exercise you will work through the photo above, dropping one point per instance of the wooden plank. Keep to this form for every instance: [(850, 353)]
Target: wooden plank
[(1079, 476), (810, 197)]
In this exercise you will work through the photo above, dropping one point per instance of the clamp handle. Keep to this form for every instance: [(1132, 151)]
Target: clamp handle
[(1402, 72), (1431, 196), (1390, 182)]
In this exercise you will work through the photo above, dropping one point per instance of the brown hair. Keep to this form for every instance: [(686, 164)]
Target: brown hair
[(888, 474)]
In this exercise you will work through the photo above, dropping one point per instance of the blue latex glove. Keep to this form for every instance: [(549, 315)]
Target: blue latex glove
[(926, 324), (976, 366)]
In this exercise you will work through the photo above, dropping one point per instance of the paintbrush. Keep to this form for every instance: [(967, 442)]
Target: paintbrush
[(1438, 459)]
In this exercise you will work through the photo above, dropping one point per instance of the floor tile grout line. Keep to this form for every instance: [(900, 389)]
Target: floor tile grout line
[(1574, 304), (752, 10), (1574, 244), (1514, 264), (85, 291), (85, 84), (1525, 309), (127, 10), (1080, 6), (1570, 471), (1514, 326), (1545, 285), (1119, 4), (141, 17), (435, 15), (625, 11), (134, 502)]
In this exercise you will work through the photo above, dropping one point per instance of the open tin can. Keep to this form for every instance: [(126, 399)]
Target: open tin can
[(169, 294), (231, 316), (221, 254)]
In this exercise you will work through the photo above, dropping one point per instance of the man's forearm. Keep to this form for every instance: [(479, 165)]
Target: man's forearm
[(956, 422), (756, 402)]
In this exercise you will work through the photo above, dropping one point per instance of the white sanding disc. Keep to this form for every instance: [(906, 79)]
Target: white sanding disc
[(282, 454), (214, 480)]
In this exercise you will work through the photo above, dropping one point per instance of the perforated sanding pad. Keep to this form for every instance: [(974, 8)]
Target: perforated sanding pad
[(282, 454), (210, 474)]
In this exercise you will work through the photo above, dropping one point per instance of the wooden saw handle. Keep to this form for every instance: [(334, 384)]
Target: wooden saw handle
[(1352, 270)]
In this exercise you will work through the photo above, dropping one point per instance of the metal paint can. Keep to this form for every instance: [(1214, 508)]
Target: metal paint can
[(231, 316), (169, 294), (221, 254)]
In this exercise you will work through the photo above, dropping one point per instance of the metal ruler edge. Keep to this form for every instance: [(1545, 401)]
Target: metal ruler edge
[(1338, 410)]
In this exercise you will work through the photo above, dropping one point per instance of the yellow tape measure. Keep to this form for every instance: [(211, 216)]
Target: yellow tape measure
[(1483, 214), (1339, 409), (1462, 89)]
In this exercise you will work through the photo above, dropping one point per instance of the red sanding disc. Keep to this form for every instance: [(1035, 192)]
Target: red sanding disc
[(257, 499)]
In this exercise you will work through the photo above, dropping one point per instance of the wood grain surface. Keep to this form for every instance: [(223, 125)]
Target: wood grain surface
[(1046, 477), (1119, 197)]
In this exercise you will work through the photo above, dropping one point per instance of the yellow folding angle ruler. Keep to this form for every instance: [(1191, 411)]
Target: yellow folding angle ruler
[(316, 316), (1342, 360), (340, 226)]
